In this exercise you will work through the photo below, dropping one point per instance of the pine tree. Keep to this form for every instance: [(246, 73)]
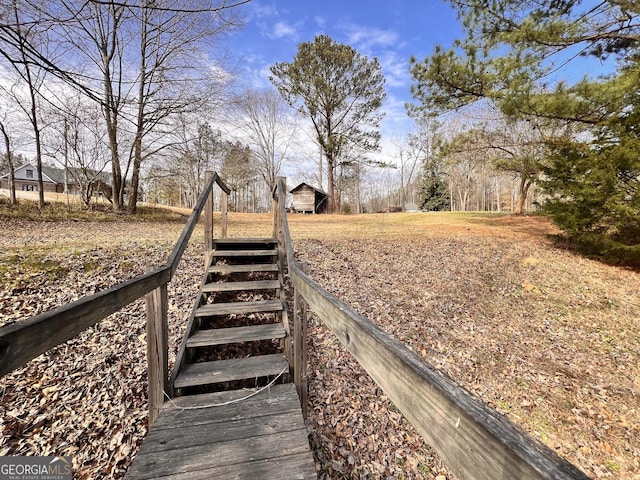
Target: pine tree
[(434, 192), (341, 91), (594, 188)]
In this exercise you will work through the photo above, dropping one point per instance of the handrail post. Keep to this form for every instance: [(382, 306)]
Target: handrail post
[(157, 349), (208, 218), (276, 209), (224, 202), (278, 229), (300, 326)]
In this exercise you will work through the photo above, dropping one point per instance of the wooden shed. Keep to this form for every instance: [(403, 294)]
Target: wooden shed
[(308, 199)]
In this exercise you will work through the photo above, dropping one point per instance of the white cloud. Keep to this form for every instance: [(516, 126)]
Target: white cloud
[(284, 29), (396, 121), (395, 68), (320, 21), (364, 38), (261, 10)]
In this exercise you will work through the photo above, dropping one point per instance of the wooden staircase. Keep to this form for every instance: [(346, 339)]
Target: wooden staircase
[(225, 419), (236, 336)]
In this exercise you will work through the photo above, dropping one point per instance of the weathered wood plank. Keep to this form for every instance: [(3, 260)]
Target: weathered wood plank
[(244, 240), (277, 398), (22, 341), (172, 418), (300, 327), (260, 437), (200, 457), (208, 217), (224, 220), (164, 440), (238, 308), (239, 286), (221, 336), (299, 466), (245, 253), (473, 439), (227, 269), (204, 373), (157, 349)]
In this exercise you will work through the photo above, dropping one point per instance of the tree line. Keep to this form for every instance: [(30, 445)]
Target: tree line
[(577, 142), (105, 84), (123, 84)]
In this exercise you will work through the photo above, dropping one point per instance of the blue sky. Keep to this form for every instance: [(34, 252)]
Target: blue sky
[(391, 30)]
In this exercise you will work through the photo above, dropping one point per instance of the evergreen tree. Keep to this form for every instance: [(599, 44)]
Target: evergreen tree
[(434, 193), (594, 188), (510, 51), (341, 91)]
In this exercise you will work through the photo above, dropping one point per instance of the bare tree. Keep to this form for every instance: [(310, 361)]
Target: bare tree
[(270, 127), (95, 35), (26, 32), (142, 62), (199, 148), (171, 68), (77, 133), (10, 164)]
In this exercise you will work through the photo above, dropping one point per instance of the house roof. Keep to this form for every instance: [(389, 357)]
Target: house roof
[(309, 186), (56, 175), (45, 175)]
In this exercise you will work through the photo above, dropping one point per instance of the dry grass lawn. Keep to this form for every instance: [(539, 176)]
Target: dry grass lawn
[(548, 338)]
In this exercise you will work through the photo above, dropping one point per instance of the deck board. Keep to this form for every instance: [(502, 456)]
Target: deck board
[(239, 308), (262, 437), (220, 371), (221, 336), (245, 253), (239, 286), (250, 268)]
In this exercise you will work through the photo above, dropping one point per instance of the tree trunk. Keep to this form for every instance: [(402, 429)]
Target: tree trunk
[(523, 190), (331, 188), (112, 131), (137, 147), (34, 106), (12, 168), (36, 134)]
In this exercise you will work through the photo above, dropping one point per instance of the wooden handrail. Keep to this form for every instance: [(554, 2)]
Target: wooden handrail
[(181, 244), (25, 340), (473, 439)]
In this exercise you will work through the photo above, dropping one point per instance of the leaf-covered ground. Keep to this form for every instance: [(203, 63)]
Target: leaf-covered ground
[(86, 398), (546, 337)]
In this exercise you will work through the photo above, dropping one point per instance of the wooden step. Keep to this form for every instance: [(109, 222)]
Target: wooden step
[(205, 373), (245, 253), (239, 308), (228, 269), (239, 286), (244, 240), (221, 336)]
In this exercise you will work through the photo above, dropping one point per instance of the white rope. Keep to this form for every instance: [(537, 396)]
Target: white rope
[(237, 400)]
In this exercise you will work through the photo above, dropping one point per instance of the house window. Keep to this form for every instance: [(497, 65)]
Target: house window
[(29, 188), (29, 173)]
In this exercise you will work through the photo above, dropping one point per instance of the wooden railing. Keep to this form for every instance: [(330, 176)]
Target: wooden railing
[(473, 439), (25, 340)]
